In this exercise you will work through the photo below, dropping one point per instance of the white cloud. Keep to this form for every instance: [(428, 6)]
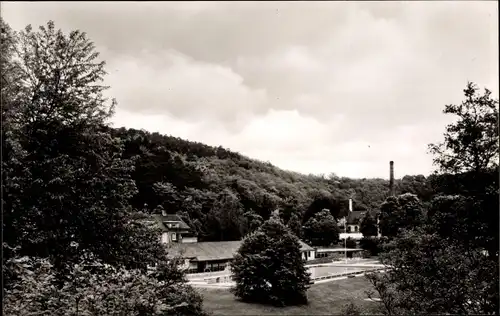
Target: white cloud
[(316, 87)]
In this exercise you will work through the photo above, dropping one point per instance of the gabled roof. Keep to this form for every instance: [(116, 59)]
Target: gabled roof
[(206, 251), (213, 250), (305, 247), (163, 219)]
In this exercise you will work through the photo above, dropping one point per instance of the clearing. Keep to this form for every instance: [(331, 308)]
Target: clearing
[(324, 299)]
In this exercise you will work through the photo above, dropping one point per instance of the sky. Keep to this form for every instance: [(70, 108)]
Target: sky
[(313, 87)]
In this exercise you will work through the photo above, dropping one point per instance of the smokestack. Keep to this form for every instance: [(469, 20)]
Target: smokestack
[(391, 178)]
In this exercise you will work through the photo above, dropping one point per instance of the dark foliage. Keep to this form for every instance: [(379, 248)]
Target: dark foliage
[(321, 229), (350, 243), (268, 267), (371, 244), (368, 225)]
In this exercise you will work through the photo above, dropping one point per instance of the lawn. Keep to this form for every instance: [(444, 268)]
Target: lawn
[(324, 299)]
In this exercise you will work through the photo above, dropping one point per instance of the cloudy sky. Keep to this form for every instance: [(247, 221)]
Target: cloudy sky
[(314, 87)]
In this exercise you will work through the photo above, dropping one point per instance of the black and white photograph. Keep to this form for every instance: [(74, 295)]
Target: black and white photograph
[(211, 158)]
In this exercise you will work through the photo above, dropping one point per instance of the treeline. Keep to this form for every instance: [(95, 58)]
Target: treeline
[(218, 192)]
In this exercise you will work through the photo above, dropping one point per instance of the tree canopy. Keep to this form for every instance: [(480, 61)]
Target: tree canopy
[(268, 267), (443, 255), (72, 241), (321, 229), (368, 226)]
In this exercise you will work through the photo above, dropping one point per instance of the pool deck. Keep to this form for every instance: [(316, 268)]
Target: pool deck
[(320, 273)]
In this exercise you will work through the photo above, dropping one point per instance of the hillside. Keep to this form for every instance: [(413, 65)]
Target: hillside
[(219, 192)]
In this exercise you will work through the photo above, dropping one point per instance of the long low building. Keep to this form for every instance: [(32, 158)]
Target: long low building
[(202, 256), (216, 255), (338, 253)]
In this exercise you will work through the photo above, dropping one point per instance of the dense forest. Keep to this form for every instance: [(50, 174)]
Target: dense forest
[(219, 192)]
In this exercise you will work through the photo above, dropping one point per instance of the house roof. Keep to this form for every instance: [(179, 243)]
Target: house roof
[(213, 250), (355, 217), (163, 219), (305, 247)]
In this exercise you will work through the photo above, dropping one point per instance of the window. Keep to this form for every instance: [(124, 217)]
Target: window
[(174, 236), (356, 229)]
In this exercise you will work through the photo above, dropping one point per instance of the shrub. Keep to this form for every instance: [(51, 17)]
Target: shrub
[(350, 243), (268, 267), (350, 309), (371, 245), (96, 289)]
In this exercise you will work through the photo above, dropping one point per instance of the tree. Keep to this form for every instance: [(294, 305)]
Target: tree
[(70, 236), (468, 157), (371, 244), (399, 213), (66, 186), (225, 220), (368, 225), (71, 168), (268, 267), (252, 222), (471, 143), (295, 225), (431, 275), (321, 229), (441, 267)]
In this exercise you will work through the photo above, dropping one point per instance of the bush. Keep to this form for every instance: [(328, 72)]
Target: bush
[(350, 243), (103, 291), (268, 267), (371, 245), (350, 309)]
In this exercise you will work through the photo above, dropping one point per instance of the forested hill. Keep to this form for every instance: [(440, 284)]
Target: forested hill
[(221, 193)]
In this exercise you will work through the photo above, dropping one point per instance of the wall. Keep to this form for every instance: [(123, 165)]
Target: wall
[(187, 240), (353, 228), (311, 255), (341, 255), (164, 238), (352, 235)]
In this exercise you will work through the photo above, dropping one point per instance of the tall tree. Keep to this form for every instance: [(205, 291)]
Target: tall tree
[(440, 267), (268, 267), (470, 154), (471, 143), (66, 186)]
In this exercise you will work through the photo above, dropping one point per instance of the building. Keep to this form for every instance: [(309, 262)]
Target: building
[(213, 256), (174, 229), (337, 253), (353, 221), (352, 224), (202, 256)]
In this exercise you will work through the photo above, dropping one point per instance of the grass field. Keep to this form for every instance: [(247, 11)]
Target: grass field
[(324, 299)]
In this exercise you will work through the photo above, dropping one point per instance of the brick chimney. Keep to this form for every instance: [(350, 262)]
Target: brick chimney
[(391, 178)]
